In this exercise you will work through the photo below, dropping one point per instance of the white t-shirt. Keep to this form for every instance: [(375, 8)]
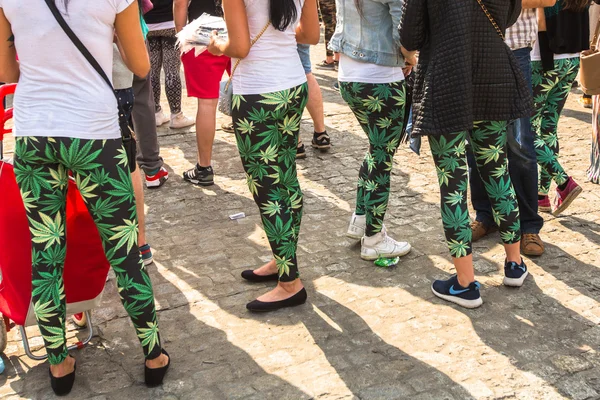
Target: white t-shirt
[(161, 26), (122, 77), (536, 56), (273, 63), (59, 93), (351, 70)]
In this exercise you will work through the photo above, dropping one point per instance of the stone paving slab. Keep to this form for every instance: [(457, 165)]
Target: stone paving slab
[(366, 333)]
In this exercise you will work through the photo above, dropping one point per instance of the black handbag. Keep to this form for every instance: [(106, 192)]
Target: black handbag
[(127, 136)]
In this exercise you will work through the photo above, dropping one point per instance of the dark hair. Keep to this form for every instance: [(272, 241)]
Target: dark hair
[(575, 5), (282, 13)]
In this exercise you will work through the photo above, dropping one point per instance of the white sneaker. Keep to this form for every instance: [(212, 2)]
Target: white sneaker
[(161, 118), (180, 121), (356, 229), (381, 245)]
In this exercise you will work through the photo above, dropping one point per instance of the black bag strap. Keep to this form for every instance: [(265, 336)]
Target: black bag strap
[(80, 46)]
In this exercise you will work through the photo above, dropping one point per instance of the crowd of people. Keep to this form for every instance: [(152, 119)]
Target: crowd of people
[(485, 81)]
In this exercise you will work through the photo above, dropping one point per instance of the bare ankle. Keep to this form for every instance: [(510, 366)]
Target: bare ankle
[(292, 286)]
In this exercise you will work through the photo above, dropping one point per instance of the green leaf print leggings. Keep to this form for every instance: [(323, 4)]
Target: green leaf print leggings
[(488, 140), (266, 130), (379, 108), (550, 92), (99, 167)]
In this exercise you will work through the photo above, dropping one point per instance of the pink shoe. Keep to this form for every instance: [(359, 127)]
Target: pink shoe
[(544, 205), (564, 198)]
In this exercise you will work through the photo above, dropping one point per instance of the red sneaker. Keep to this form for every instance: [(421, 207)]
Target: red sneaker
[(544, 205), (564, 198), (157, 180)]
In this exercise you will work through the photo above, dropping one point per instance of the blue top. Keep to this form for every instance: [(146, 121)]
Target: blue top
[(372, 35)]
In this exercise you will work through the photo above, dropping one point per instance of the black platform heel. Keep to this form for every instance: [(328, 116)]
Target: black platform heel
[(154, 376), (62, 386)]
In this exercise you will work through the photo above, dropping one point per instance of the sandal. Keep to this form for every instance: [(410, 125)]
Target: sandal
[(321, 141), (300, 151)]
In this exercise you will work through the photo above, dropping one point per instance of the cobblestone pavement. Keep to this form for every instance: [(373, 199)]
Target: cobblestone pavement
[(366, 333)]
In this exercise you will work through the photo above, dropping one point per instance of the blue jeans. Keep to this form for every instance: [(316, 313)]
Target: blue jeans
[(304, 53), (522, 166)]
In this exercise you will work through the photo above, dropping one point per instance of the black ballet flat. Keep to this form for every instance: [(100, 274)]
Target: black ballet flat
[(263, 306), (154, 376), (62, 386), (250, 276)]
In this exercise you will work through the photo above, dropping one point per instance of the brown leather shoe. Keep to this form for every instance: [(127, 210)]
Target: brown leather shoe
[(480, 230), (532, 245)]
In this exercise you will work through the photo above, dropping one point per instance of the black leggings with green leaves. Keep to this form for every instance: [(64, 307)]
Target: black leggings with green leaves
[(99, 167), (488, 140), (379, 108), (266, 130)]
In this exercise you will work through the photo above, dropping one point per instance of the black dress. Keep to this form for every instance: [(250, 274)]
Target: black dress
[(466, 72)]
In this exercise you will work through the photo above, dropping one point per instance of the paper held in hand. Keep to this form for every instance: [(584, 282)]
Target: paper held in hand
[(196, 35)]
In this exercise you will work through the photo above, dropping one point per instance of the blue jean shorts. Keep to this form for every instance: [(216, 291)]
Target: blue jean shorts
[(304, 53)]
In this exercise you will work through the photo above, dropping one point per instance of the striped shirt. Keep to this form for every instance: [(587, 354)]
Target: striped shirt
[(524, 32)]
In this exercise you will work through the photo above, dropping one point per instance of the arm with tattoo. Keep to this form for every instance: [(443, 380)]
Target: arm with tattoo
[(9, 66)]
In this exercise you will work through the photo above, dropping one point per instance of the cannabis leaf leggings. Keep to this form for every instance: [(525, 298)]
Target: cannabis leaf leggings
[(488, 142), (99, 168), (379, 108), (266, 130), (550, 92)]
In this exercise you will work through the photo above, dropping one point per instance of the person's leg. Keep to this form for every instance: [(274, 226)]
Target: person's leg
[(448, 152), (384, 135), (144, 125), (484, 222), (321, 139), (328, 11), (315, 103), (203, 76), (373, 188), (118, 227), (155, 44), (556, 93), (172, 67), (206, 123), (269, 163), (522, 162), (488, 139), (551, 90), (43, 183)]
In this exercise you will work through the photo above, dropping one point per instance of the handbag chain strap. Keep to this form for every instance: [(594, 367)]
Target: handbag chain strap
[(487, 14), (252, 43)]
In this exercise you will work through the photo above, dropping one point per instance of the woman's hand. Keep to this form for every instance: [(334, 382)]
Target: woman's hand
[(410, 57), (407, 70), (214, 47)]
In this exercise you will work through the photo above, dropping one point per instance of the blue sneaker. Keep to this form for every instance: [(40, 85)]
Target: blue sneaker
[(146, 254), (515, 274), (451, 290)]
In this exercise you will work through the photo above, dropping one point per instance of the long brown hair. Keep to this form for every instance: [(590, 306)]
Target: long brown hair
[(575, 5)]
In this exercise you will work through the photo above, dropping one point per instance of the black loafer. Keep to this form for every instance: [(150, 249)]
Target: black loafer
[(262, 306), (250, 276), (154, 376), (62, 386)]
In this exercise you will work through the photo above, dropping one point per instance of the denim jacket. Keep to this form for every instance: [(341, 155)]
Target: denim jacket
[(372, 38)]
